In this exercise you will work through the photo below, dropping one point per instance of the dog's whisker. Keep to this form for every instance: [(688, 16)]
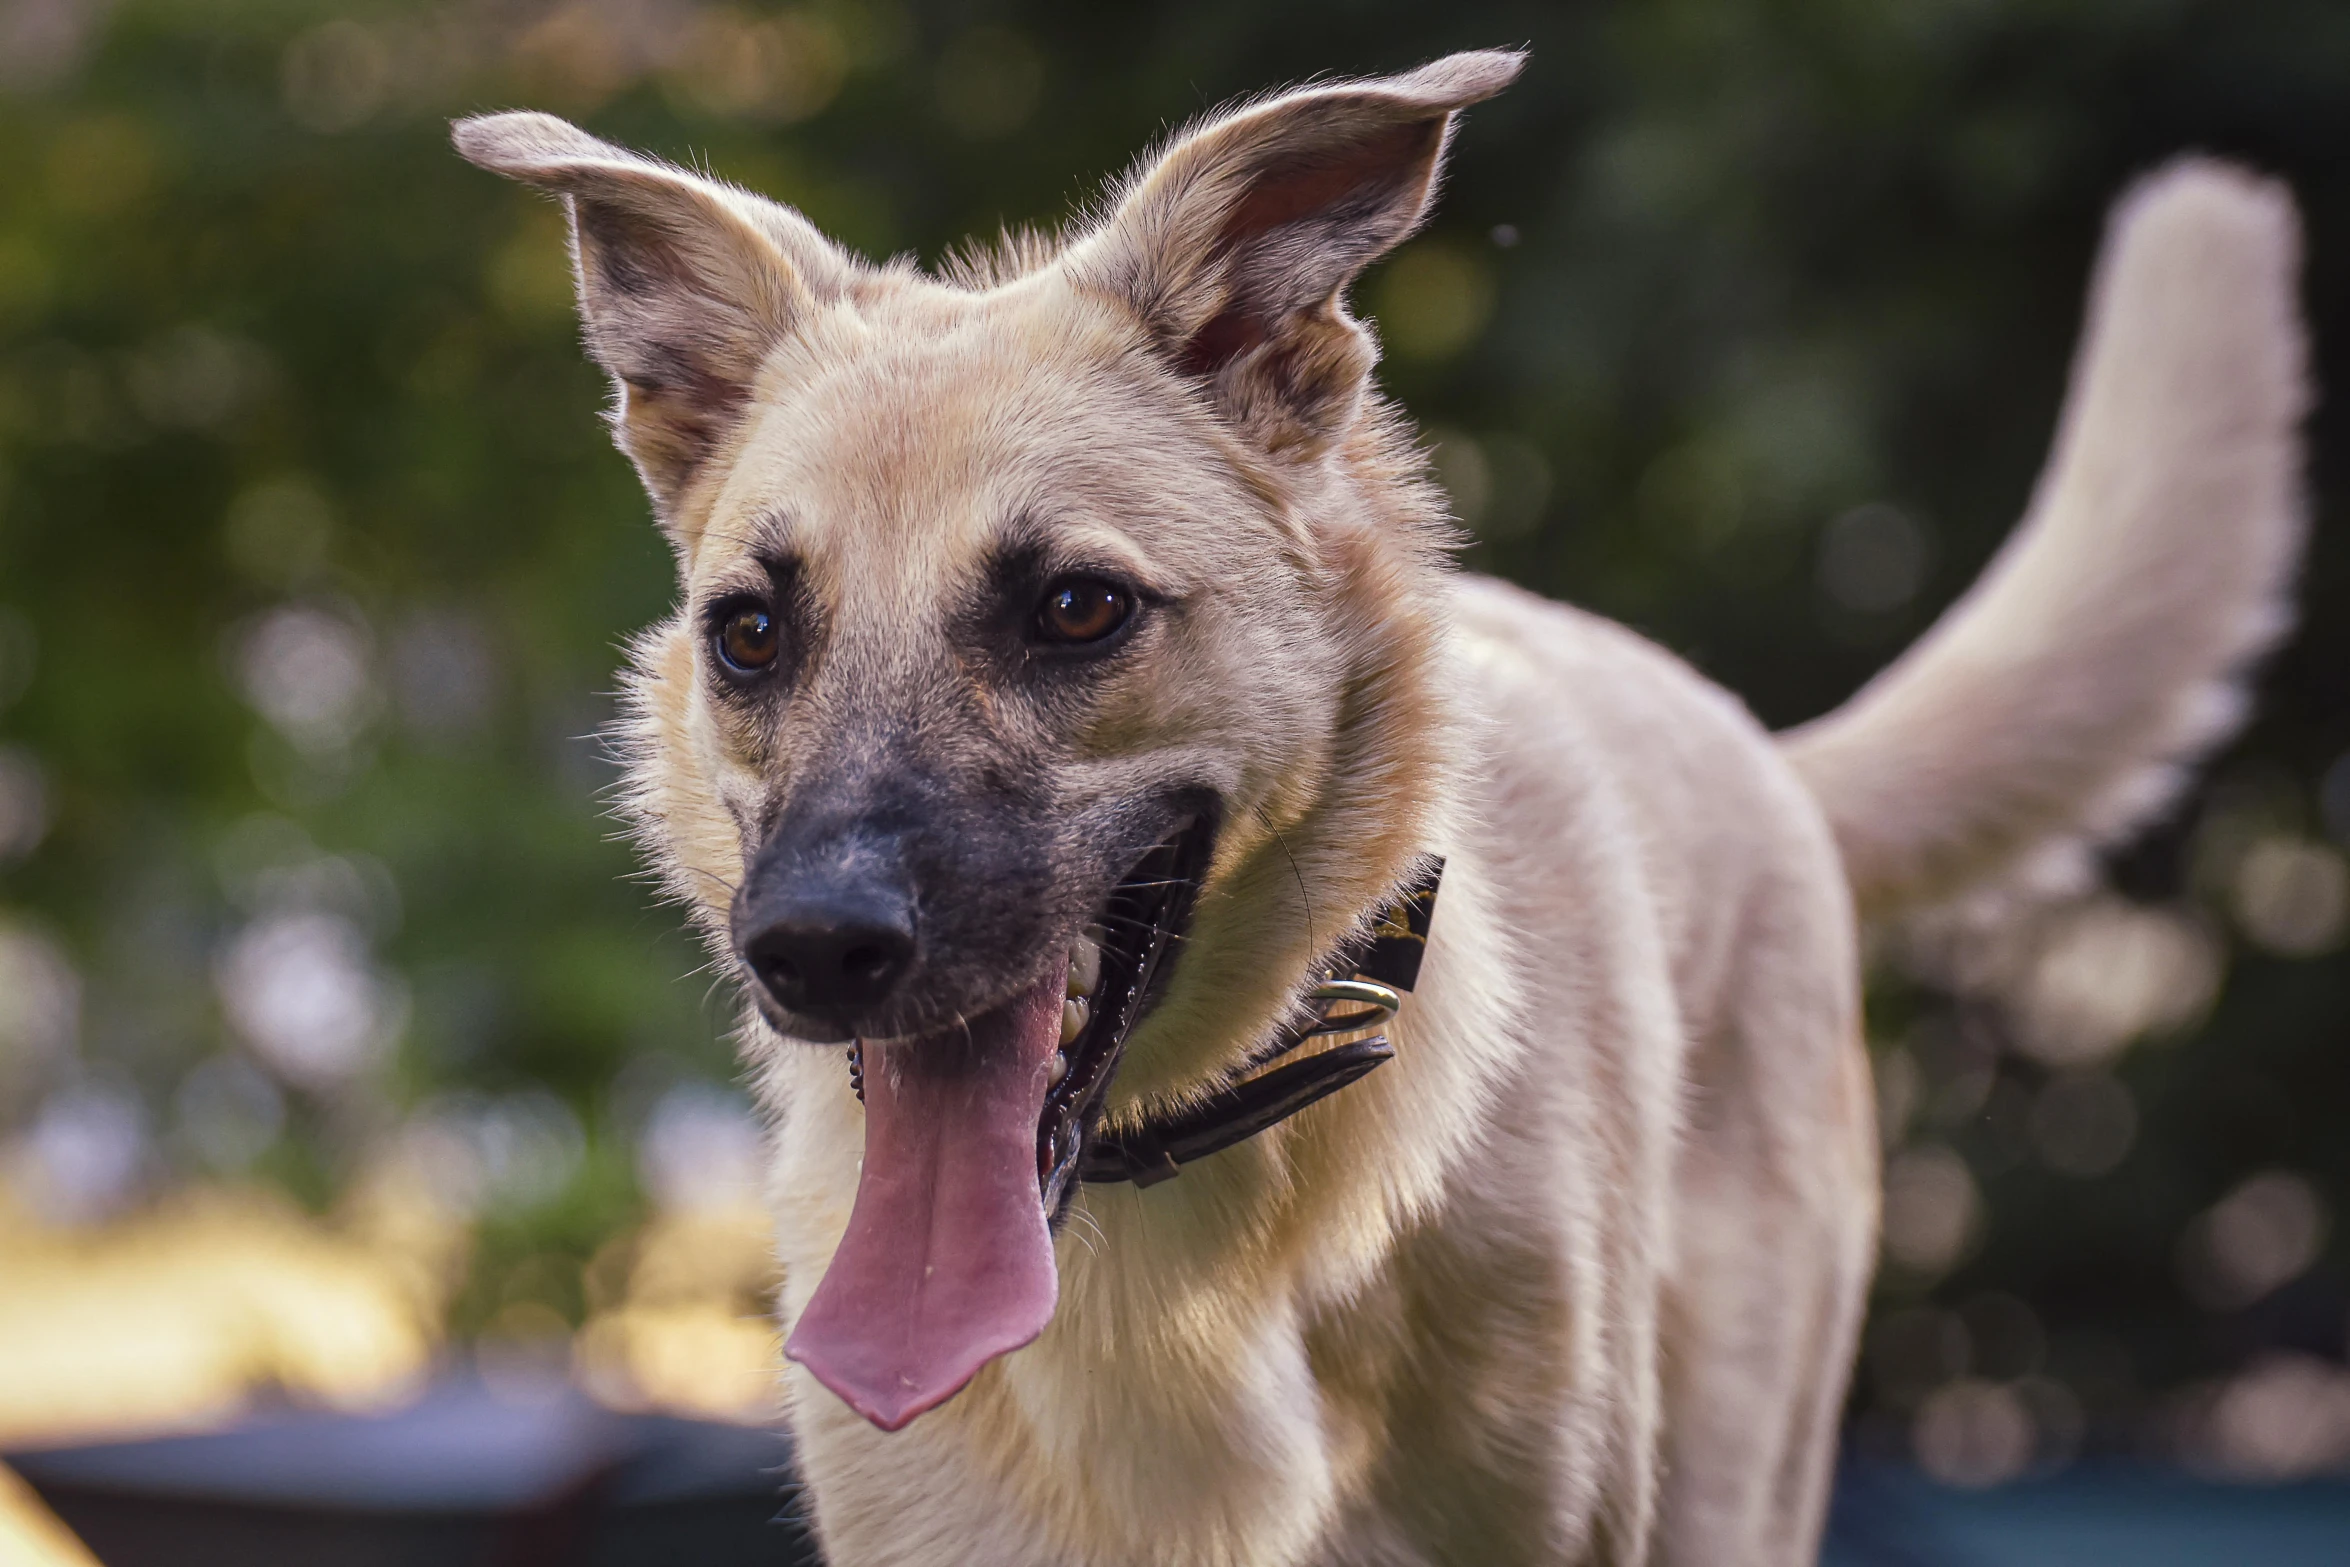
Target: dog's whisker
[(1303, 896), (712, 876), (1145, 926), (718, 967)]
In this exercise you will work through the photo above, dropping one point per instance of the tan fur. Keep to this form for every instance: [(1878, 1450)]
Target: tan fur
[(1576, 1277)]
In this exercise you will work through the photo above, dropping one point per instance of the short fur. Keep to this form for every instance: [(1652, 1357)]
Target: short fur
[(1575, 1278)]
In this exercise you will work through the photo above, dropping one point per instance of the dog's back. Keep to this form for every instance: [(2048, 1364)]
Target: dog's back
[(1692, 1001)]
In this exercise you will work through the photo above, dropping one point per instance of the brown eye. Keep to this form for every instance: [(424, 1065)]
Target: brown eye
[(1082, 609), (747, 639)]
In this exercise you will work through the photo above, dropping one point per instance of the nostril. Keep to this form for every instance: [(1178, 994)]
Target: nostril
[(866, 963), (820, 965)]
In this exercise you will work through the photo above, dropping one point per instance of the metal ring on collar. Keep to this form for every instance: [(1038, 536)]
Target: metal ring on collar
[(1382, 1000)]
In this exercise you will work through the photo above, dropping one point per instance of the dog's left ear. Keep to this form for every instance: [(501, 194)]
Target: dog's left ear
[(1235, 246)]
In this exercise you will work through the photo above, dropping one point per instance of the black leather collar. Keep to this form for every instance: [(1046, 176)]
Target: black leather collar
[(1384, 959)]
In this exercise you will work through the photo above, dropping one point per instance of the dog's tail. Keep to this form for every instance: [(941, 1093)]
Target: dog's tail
[(2057, 705)]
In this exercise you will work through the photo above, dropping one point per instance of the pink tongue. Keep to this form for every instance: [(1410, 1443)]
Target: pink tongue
[(947, 1262)]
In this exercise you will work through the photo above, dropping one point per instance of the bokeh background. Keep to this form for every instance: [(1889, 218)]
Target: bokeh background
[(338, 1046)]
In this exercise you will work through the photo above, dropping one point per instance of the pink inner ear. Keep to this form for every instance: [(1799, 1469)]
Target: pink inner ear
[(1221, 341), (1348, 182), (1316, 181)]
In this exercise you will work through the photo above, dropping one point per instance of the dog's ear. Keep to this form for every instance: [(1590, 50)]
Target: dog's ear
[(1235, 245), (685, 284)]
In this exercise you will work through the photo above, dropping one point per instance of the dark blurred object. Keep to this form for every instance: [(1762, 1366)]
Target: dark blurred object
[(458, 1479), (1886, 1515), (464, 1478)]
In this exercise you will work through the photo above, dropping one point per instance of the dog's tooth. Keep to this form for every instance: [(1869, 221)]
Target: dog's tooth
[(1058, 1070), (1085, 965), (1075, 1012)]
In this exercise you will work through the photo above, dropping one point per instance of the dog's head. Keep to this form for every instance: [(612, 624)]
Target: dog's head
[(1035, 618)]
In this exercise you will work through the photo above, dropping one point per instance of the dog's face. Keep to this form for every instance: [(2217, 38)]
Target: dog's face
[(981, 609), (1044, 658)]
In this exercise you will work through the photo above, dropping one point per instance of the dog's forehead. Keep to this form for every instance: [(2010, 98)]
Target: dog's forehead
[(902, 449)]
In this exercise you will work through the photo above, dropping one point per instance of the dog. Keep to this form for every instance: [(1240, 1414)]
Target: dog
[(1070, 694)]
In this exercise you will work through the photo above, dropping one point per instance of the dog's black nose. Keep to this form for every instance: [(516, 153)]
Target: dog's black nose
[(832, 954)]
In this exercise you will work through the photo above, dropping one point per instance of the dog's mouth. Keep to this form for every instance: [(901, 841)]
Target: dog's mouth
[(973, 1139), (1117, 969)]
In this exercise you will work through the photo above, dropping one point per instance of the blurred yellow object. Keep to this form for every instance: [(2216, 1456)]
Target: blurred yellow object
[(177, 1318), (703, 1254), (680, 1320), (30, 1535), (701, 1360)]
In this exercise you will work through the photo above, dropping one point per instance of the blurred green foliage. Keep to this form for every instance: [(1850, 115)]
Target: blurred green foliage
[(1743, 322)]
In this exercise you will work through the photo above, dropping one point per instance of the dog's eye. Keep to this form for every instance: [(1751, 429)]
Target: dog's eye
[(1082, 609), (747, 640)]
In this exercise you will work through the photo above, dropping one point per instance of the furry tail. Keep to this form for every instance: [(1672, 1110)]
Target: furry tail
[(2058, 704)]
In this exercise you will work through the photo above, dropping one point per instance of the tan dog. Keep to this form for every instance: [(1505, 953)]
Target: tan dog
[(1086, 608)]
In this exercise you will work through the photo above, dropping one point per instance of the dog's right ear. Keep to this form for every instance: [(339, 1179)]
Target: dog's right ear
[(685, 284)]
